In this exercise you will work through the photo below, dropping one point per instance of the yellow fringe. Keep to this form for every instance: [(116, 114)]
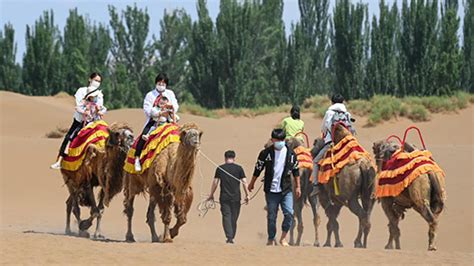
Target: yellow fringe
[(324, 176), (407, 167)]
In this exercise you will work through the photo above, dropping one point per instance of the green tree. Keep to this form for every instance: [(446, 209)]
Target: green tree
[(449, 55), (131, 56), (468, 65), (42, 70), (10, 71)]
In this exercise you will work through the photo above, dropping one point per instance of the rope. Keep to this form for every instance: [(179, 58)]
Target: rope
[(207, 204)]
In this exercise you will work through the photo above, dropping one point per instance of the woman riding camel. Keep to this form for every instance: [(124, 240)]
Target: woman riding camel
[(152, 100), (293, 124), (81, 96)]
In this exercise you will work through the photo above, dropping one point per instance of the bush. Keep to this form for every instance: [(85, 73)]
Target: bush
[(418, 113), (57, 133), (196, 109)]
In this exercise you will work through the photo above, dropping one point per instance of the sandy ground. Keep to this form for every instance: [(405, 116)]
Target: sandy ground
[(32, 208)]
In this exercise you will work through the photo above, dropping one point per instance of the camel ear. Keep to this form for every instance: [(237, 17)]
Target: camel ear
[(376, 147)]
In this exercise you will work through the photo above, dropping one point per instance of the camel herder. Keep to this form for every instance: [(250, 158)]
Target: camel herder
[(279, 163), (230, 175)]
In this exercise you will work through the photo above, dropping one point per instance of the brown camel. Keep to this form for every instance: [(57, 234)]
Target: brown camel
[(426, 195), (168, 183), (101, 167), (355, 180), (299, 203)]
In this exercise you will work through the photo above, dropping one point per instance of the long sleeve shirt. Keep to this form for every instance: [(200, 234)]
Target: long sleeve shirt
[(79, 97), (153, 95)]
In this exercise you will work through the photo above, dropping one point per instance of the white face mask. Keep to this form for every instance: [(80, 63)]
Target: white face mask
[(160, 88), (94, 84)]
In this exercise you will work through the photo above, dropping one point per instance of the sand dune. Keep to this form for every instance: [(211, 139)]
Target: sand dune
[(32, 197)]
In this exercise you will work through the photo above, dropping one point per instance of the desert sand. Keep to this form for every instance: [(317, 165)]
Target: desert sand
[(32, 197)]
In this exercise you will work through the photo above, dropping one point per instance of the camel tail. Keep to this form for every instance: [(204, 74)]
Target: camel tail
[(436, 198), (367, 187)]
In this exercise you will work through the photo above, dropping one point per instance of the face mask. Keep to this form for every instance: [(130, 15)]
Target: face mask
[(95, 84), (160, 88), (279, 145)]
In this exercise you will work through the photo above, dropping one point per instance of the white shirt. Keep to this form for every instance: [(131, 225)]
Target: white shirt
[(278, 166), (151, 97), (80, 94), (327, 120)]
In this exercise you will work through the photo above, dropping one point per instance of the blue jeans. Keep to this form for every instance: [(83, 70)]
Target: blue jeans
[(286, 202), (316, 160)]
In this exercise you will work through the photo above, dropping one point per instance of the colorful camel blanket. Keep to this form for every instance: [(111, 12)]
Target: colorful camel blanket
[(348, 150), (305, 160), (400, 171), (94, 133), (159, 139)]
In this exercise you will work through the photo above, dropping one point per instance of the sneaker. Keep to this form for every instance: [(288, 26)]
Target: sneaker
[(138, 167), (145, 137), (315, 190), (56, 165)]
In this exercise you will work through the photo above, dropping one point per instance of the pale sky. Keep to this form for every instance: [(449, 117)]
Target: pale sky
[(22, 12)]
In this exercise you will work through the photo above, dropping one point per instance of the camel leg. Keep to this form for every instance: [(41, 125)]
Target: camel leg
[(86, 224), (181, 211), (69, 203), (431, 219), (355, 208), (150, 219), (367, 204), (432, 235), (128, 210), (165, 205), (393, 220), (316, 220), (98, 231), (297, 217), (337, 210)]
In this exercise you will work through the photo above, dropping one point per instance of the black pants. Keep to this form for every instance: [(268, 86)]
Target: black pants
[(141, 141), (230, 213), (70, 135)]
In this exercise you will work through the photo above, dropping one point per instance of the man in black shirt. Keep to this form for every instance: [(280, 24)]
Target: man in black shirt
[(230, 175), (279, 163)]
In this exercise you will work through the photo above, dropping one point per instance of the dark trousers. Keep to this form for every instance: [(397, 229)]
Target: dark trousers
[(230, 213), (141, 141), (70, 135)]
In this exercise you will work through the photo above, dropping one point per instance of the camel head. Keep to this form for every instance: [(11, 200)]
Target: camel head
[(318, 144), (293, 143), (121, 136), (190, 135), (340, 132), (383, 151)]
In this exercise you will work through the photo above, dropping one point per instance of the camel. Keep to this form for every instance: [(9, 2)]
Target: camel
[(168, 183), (101, 167), (299, 203), (426, 195), (355, 180)]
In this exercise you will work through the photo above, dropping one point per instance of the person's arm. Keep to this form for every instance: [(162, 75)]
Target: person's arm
[(172, 98), (247, 196), (79, 96), (257, 170), (296, 175), (148, 104), (326, 126), (215, 182)]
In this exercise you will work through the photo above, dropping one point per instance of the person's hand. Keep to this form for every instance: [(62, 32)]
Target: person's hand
[(298, 192), (247, 199), (210, 198), (251, 186)]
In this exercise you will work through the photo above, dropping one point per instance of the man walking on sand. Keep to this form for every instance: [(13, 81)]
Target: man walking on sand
[(230, 175), (279, 162)]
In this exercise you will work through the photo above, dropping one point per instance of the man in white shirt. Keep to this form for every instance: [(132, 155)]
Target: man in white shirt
[(152, 99), (279, 163)]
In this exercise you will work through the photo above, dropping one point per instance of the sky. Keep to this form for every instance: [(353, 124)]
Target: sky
[(25, 12)]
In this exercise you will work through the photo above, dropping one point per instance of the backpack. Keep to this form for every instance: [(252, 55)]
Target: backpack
[(344, 118)]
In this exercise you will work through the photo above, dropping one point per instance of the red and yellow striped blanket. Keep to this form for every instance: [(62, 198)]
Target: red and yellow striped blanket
[(400, 171), (305, 160), (94, 133), (159, 139), (348, 150)]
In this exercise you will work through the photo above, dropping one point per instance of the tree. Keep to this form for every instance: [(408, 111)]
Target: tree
[(42, 71), (131, 56), (10, 71), (468, 65)]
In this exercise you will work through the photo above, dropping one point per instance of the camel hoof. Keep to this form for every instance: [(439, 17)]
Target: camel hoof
[(388, 247), (155, 239), (338, 245), (327, 245), (432, 248), (85, 224), (316, 244), (129, 238), (358, 245), (84, 234), (68, 232), (173, 233)]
